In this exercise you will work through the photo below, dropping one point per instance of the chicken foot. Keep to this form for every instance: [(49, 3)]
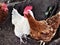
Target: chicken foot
[(42, 42)]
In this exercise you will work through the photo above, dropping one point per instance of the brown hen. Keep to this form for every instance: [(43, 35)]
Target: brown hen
[(45, 29)]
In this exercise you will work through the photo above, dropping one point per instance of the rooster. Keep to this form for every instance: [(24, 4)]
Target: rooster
[(3, 12), (22, 27), (43, 30)]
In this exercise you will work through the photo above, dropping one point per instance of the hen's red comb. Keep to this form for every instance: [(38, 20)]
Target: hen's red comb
[(26, 9), (4, 7)]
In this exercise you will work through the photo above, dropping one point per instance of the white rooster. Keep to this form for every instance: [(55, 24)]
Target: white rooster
[(22, 27)]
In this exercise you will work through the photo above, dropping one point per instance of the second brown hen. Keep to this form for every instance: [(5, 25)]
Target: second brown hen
[(43, 30)]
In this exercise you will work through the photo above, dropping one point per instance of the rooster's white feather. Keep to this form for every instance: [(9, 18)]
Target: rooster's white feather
[(21, 24)]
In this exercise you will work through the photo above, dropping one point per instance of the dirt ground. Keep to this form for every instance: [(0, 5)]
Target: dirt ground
[(7, 36)]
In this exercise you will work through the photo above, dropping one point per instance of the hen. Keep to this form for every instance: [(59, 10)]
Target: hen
[(22, 27), (43, 30), (3, 12)]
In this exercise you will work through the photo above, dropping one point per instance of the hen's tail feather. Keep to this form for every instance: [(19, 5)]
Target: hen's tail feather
[(54, 21)]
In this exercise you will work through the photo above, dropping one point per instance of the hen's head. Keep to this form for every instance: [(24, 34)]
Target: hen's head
[(3, 7), (3, 11), (27, 10)]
